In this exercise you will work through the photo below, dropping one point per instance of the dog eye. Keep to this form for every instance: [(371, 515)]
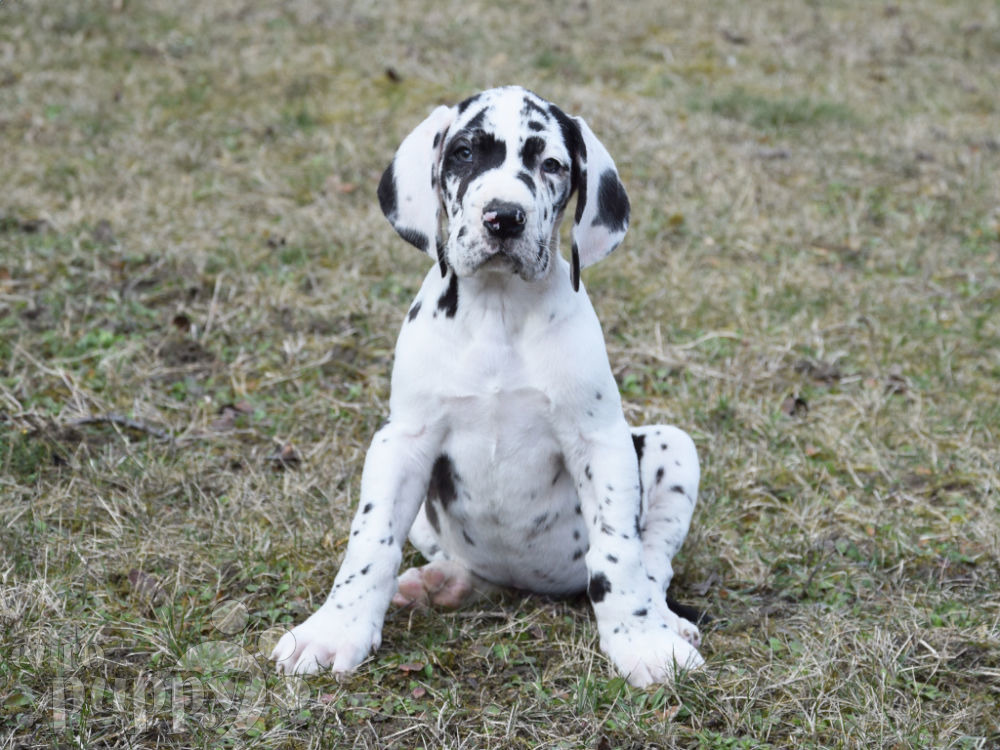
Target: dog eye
[(462, 153), (552, 166)]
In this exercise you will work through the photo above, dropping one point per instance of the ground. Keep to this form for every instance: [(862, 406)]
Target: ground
[(199, 299)]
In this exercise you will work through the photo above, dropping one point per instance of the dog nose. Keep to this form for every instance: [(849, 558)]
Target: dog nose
[(504, 220)]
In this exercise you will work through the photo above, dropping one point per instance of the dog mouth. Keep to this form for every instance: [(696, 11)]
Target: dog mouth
[(525, 259)]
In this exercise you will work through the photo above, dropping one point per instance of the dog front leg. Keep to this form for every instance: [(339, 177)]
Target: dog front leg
[(638, 631), (348, 626)]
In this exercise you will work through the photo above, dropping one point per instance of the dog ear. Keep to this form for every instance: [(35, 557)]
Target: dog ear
[(602, 207), (408, 190)]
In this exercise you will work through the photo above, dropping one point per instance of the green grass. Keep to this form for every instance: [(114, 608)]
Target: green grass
[(190, 243)]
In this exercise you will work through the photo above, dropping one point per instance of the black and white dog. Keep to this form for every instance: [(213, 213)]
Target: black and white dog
[(507, 459)]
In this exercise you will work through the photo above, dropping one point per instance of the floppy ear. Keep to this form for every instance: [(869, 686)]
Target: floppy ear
[(408, 190), (602, 208)]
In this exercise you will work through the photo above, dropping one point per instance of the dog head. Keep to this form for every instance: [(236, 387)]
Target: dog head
[(504, 165)]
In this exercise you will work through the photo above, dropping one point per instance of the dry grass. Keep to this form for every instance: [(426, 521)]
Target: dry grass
[(189, 241)]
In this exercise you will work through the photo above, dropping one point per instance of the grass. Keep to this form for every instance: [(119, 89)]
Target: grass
[(199, 299)]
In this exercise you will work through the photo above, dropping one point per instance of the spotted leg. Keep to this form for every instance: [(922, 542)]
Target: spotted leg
[(669, 474)]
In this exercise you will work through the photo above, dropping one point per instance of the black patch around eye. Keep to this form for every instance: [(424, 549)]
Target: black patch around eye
[(612, 203), (531, 150), (527, 180), (442, 484), (448, 302), (488, 152), (598, 587)]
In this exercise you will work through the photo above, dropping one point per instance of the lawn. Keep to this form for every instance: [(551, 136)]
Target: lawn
[(198, 303)]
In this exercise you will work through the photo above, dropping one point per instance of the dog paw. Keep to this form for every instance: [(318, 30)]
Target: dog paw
[(689, 631), (441, 583), (327, 639), (650, 653)]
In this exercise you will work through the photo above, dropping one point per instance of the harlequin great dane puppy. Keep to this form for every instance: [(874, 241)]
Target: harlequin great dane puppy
[(507, 458)]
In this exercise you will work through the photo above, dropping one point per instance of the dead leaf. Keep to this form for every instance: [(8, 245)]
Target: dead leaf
[(419, 692), (735, 37), (229, 414), (102, 233), (286, 458), (895, 381), (413, 666), (820, 371), (146, 587), (794, 406)]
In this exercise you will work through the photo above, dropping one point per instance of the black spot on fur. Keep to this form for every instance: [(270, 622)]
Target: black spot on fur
[(677, 488), (574, 269), (581, 202), (640, 612), (559, 473), (465, 104), (442, 260), (531, 150), (442, 484), (659, 475), (387, 193), (364, 570), (417, 239), (367, 508), (639, 443), (467, 538), (448, 302), (528, 181), (532, 107), (432, 516), (598, 587), (612, 559), (587, 472), (388, 200), (577, 554), (413, 311), (536, 125), (612, 203)]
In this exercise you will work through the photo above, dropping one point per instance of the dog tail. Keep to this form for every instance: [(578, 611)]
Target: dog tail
[(689, 613)]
